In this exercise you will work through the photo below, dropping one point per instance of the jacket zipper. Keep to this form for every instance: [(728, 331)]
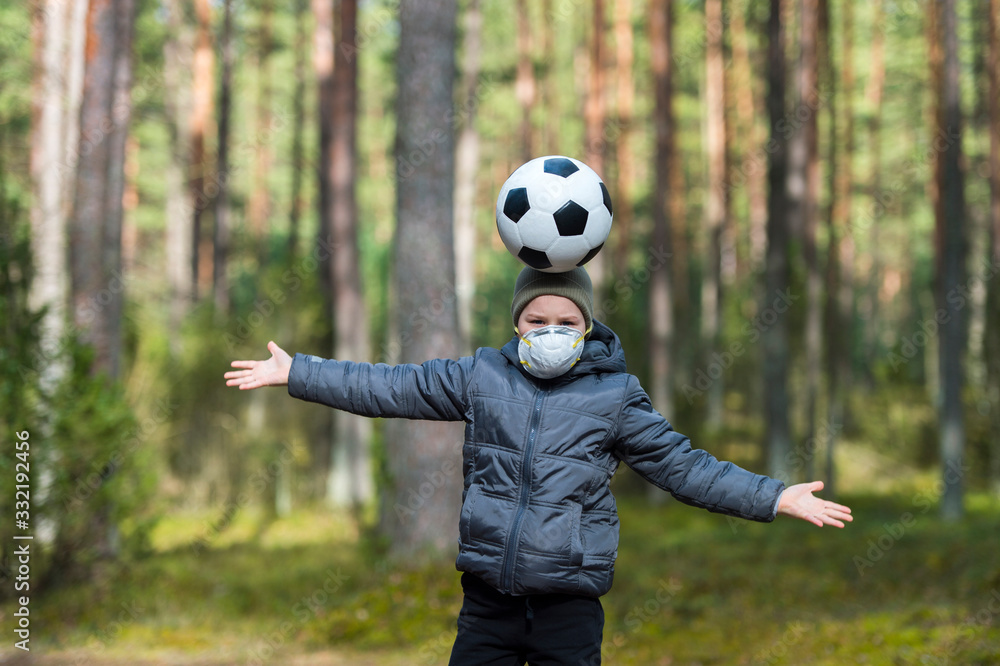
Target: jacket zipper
[(515, 532)]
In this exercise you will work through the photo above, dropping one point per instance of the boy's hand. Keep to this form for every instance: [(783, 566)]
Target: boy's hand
[(272, 372), (798, 501)]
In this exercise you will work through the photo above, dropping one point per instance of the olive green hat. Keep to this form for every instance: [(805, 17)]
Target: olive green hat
[(574, 285)]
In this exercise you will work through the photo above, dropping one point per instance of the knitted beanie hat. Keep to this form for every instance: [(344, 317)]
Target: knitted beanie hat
[(574, 285)]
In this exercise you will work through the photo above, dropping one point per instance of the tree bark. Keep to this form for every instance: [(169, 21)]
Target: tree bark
[(201, 116), (751, 173), (840, 251), (259, 205), (177, 66), (220, 230), (525, 88), (809, 99), (625, 161), (424, 455), (776, 275), (951, 272), (298, 126), (467, 166), (876, 85), (992, 341), (97, 282), (350, 481), (715, 204), (594, 116), (49, 176), (323, 35), (661, 286)]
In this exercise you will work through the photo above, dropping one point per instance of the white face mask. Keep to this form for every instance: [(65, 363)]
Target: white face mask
[(550, 351)]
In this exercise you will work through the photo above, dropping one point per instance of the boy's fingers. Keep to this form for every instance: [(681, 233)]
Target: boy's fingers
[(243, 364)]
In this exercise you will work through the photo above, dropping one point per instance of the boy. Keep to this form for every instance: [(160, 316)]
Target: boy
[(548, 419)]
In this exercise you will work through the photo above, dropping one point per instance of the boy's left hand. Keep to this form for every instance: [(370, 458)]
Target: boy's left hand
[(798, 501)]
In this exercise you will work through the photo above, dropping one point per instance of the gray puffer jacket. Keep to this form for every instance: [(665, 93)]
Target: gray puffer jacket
[(538, 515)]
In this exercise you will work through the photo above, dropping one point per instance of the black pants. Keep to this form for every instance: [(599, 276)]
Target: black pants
[(496, 629)]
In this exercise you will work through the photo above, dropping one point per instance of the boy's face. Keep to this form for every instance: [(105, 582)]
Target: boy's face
[(550, 310)]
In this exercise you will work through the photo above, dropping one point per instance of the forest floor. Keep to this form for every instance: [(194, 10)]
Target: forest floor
[(899, 586)]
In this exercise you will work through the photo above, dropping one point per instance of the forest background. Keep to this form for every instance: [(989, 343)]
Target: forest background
[(802, 270)]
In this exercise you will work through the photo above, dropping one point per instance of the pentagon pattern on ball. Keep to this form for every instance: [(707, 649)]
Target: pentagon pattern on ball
[(560, 166), (554, 213), (571, 219), (534, 258), (517, 204)]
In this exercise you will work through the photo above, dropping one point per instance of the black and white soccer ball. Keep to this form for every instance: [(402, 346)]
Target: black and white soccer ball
[(554, 213)]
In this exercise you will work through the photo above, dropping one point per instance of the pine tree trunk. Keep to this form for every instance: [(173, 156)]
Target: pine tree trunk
[(524, 85), (95, 228), (179, 244), (992, 342), (715, 204), (751, 173), (625, 161), (424, 455), (298, 127), (203, 86), (661, 287), (323, 67), (467, 166), (809, 99), (951, 272), (869, 306), (49, 174), (776, 276), (594, 116), (220, 235), (840, 251), (351, 481), (259, 205)]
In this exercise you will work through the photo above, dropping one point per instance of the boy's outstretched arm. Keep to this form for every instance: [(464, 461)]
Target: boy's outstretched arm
[(272, 372), (798, 501)]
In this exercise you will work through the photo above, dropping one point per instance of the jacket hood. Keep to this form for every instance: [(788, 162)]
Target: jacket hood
[(602, 352)]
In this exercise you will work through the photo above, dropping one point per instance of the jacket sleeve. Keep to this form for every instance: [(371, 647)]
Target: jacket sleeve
[(434, 390), (649, 445)]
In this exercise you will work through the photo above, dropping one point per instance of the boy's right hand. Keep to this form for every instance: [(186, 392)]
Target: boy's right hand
[(272, 372)]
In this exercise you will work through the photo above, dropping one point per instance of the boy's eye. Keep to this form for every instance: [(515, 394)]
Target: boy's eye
[(567, 323)]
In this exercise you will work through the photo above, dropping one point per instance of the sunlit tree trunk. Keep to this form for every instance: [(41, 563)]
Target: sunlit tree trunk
[(525, 88), (661, 287), (869, 307), (350, 480), (203, 91), (220, 230), (420, 451), (467, 166), (298, 126), (776, 275), (594, 116), (323, 13), (750, 170), (951, 251), (715, 205), (50, 173), (177, 64), (259, 205), (625, 161), (809, 99)]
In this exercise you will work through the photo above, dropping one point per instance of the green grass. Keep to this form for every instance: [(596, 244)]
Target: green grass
[(690, 588)]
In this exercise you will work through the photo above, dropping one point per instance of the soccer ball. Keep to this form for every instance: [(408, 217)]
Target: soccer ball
[(554, 213)]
